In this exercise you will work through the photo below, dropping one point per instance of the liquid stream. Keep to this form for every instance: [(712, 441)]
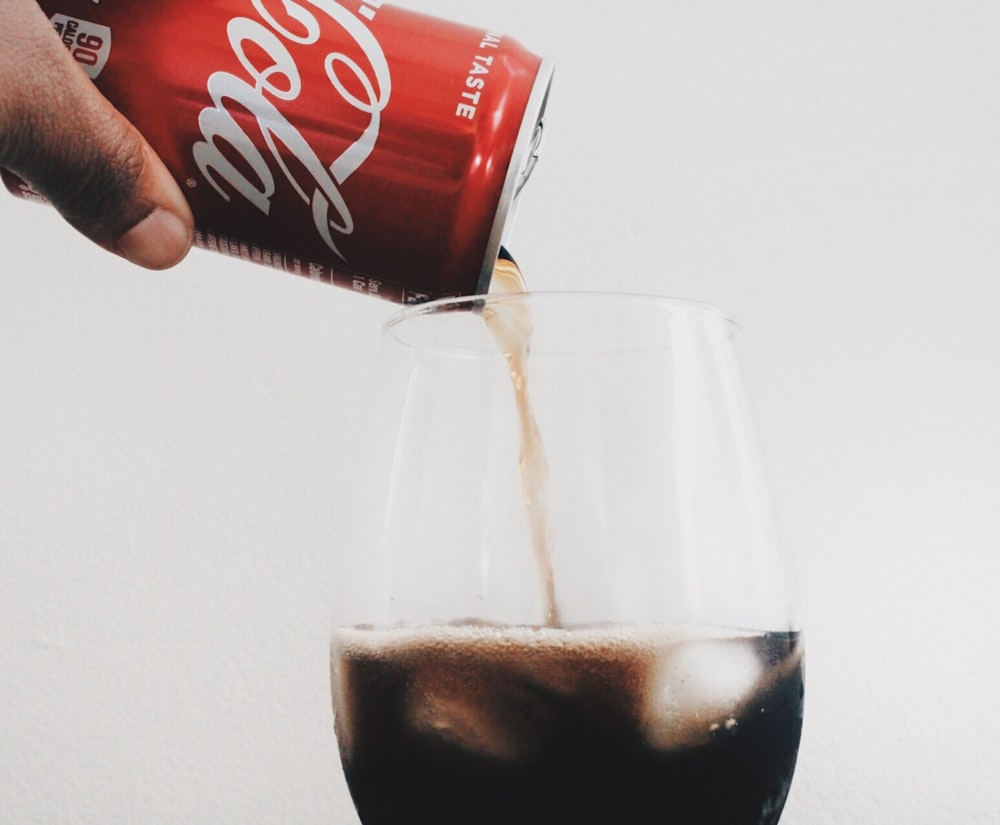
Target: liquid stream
[(510, 325)]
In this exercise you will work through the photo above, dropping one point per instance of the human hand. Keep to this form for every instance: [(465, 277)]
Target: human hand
[(58, 133)]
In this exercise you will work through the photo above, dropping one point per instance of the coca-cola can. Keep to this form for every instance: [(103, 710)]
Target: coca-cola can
[(360, 144)]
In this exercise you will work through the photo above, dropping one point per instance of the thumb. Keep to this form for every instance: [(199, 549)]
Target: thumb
[(59, 134)]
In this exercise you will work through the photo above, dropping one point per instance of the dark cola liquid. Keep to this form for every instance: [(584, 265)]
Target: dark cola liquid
[(479, 726)]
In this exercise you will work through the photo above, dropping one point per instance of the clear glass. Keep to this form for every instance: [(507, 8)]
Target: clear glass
[(639, 659)]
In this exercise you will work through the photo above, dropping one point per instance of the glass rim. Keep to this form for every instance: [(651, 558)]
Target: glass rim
[(472, 302)]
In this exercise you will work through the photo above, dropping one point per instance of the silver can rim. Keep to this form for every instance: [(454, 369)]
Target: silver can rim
[(522, 162)]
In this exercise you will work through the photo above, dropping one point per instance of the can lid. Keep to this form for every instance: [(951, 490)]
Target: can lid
[(527, 147)]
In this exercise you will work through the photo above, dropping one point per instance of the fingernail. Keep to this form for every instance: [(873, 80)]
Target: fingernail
[(158, 241)]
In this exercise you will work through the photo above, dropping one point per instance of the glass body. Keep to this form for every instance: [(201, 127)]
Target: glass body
[(561, 599)]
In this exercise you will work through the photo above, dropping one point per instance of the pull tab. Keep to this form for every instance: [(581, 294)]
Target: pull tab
[(532, 160)]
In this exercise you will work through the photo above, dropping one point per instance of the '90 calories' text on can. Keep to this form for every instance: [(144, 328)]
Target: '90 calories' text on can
[(355, 143)]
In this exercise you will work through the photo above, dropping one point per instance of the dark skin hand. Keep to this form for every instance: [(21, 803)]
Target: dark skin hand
[(62, 136)]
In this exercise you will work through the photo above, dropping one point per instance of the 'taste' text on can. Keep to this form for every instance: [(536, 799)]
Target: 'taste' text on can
[(476, 81)]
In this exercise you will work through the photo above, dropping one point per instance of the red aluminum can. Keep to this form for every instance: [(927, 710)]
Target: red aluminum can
[(355, 143)]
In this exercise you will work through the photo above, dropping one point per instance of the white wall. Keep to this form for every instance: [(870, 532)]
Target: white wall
[(174, 448)]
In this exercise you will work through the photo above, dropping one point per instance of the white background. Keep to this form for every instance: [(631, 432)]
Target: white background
[(175, 448)]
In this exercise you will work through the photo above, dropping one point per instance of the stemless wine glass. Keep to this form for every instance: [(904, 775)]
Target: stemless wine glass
[(563, 600)]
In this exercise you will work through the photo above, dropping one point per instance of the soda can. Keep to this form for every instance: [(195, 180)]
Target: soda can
[(360, 144)]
